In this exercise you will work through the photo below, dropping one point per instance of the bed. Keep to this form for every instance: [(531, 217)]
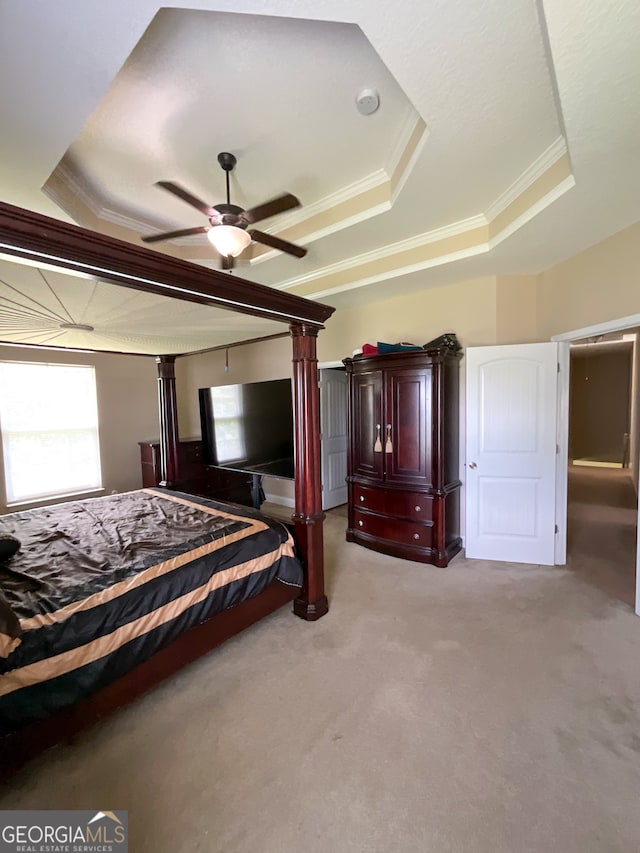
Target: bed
[(32, 238)]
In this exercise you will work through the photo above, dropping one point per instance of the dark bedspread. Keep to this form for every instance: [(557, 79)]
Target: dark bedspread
[(100, 585)]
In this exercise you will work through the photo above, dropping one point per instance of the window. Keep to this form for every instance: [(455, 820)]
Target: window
[(49, 422)]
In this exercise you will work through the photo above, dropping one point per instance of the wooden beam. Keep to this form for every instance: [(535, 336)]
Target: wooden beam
[(50, 242)]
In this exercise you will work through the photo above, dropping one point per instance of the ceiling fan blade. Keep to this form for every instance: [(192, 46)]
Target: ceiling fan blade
[(186, 196), (277, 243), (270, 208), (168, 235)]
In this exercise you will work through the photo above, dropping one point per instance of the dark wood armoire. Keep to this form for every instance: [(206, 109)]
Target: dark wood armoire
[(402, 467)]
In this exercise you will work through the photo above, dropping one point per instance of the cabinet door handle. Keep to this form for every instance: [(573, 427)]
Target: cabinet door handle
[(417, 508), (361, 524), (377, 447), (416, 535), (388, 448), (362, 498)]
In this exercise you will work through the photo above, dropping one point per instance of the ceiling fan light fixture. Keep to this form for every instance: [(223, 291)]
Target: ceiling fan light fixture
[(228, 240)]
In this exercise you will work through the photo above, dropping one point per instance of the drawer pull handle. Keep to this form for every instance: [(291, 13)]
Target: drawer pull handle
[(417, 508), (361, 497), (416, 535), (360, 523)]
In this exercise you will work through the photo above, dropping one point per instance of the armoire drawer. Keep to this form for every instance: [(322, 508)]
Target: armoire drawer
[(372, 499), (410, 505), (393, 529), (400, 504)]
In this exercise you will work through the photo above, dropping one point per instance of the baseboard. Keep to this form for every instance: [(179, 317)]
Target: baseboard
[(280, 499)]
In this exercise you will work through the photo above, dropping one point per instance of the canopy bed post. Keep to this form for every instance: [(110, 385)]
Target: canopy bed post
[(308, 516), (168, 408)]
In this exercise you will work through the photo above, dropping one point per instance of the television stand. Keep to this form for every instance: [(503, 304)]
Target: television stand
[(257, 492)]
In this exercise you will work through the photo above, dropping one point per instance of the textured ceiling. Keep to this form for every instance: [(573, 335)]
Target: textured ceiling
[(37, 305), (505, 140)]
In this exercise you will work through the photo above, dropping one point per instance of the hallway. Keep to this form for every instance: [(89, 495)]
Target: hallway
[(601, 536)]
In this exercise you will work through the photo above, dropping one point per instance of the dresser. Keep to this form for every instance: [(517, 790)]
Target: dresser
[(402, 462), (196, 477)]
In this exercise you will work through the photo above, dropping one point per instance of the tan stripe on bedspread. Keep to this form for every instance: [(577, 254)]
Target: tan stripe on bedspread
[(57, 665), (104, 595)]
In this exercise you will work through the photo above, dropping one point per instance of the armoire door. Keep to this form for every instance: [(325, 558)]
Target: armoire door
[(366, 425), (407, 439)]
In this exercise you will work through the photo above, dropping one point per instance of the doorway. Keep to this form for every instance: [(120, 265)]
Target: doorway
[(602, 509), (333, 435), (601, 516)]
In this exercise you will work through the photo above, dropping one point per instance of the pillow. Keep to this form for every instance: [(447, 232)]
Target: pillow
[(9, 543), (10, 629)]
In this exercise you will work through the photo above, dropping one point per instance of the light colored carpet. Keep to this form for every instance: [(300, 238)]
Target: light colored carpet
[(483, 707)]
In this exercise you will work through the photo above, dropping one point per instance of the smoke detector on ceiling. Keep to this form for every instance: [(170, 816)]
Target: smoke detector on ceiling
[(367, 101)]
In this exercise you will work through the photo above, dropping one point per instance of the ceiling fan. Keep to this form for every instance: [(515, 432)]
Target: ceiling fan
[(228, 223)]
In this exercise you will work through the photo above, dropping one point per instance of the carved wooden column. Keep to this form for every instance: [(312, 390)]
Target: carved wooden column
[(168, 407), (308, 516)]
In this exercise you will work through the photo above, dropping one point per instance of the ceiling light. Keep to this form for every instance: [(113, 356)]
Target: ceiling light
[(228, 240)]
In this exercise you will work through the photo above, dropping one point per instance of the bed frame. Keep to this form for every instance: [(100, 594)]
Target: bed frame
[(47, 242)]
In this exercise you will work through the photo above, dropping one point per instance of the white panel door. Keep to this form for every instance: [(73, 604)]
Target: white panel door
[(511, 452), (333, 443)]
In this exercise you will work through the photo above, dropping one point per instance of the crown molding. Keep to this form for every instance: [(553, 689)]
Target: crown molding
[(536, 170), (79, 188), (437, 234), (412, 122), (479, 249), (71, 182), (369, 182), (532, 211), (401, 180), (372, 181)]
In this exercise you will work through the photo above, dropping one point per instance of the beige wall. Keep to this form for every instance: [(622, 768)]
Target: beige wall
[(127, 409), (467, 308), (602, 283), (516, 309)]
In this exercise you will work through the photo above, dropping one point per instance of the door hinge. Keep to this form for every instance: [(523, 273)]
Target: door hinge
[(557, 448), (556, 529), (558, 366)]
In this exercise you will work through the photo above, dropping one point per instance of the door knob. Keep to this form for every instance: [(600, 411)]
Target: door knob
[(472, 465)]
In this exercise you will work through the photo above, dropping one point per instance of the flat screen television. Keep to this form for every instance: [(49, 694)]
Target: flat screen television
[(249, 427)]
